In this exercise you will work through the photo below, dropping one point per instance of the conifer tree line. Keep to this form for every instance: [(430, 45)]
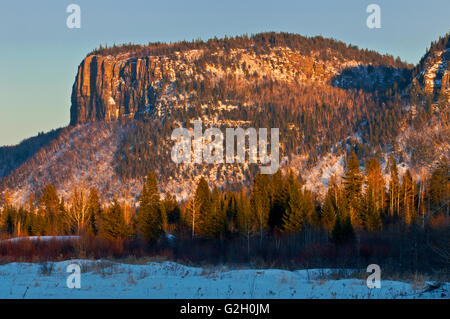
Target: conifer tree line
[(260, 43), (362, 200)]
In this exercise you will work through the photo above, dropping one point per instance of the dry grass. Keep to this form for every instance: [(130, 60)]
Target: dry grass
[(130, 279), (134, 260), (338, 274), (103, 267), (46, 268), (418, 282)]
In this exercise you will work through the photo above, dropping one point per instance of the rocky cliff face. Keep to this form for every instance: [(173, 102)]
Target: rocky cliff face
[(110, 87), (433, 71), (107, 88), (436, 74)]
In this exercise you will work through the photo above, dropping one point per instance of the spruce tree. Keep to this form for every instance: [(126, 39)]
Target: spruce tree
[(216, 224), (300, 207), (260, 203), (336, 233), (372, 219), (172, 212), (231, 211), (374, 197), (309, 208), (328, 212), (10, 221), (375, 183), (63, 222), (113, 223), (343, 232), (348, 233), (295, 215), (150, 219), (205, 209), (94, 212), (440, 187), (353, 181), (279, 200)]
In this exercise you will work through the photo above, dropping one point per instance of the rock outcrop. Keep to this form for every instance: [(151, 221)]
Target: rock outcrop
[(111, 87), (435, 75)]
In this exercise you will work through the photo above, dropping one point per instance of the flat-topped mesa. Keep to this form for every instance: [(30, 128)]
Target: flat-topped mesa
[(97, 93), (108, 88), (131, 80)]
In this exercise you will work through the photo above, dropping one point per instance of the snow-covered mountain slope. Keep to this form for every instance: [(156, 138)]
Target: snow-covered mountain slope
[(167, 280), (78, 158)]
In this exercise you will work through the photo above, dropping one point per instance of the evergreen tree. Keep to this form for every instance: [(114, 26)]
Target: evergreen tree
[(94, 212), (64, 227), (328, 211), (113, 223), (218, 221), (231, 211), (260, 203), (343, 232), (312, 216), (279, 200), (353, 181), (348, 232), (244, 218), (150, 219), (172, 212), (372, 218), (375, 183), (295, 214), (336, 233), (440, 187), (300, 207), (203, 201), (10, 220), (374, 196)]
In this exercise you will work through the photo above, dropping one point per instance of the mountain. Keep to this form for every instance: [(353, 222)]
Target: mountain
[(326, 97), (129, 81)]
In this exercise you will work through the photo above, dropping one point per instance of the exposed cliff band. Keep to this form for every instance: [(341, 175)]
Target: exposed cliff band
[(109, 88)]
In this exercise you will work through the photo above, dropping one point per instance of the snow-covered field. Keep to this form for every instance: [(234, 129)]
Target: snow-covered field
[(105, 279)]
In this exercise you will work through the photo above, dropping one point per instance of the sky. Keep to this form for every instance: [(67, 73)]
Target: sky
[(39, 54)]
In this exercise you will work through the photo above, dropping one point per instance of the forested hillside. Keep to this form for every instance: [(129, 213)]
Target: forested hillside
[(326, 97), (364, 155)]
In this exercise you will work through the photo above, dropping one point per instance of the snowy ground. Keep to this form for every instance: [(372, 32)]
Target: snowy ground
[(41, 238), (105, 279)]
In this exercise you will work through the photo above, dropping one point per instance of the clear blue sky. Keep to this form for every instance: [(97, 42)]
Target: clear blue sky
[(39, 55)]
